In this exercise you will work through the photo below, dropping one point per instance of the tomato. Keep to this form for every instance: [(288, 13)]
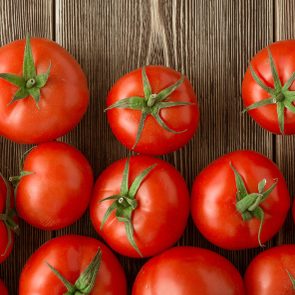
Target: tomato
[(272, 272), (240, 200), (54, 186), (8, 222), (46, 99), (157, 119), (140, 206), (3, 289), (189, 271), (68, 257), (268, 88)]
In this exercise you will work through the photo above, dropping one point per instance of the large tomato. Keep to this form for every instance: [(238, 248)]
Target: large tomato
[(153, 110), (44, 92), (54, 186), (272, 272), (3, 289), (188, 271), (8, 223), (268, 88), (140, 206), (240, 200), (73, 264)]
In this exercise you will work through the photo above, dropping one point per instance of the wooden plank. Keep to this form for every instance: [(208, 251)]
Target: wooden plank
[(18, 18), (210, 41), (285, 29)]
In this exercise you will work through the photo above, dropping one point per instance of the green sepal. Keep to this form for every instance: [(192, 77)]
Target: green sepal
[(248, 205), (147, 89), (125, 203), (281, 115), (292, 279), (86, 281), (13, 79), (29, 83), (133, 103)]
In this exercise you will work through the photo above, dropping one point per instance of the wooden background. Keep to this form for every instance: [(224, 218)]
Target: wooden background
[(211, 41)]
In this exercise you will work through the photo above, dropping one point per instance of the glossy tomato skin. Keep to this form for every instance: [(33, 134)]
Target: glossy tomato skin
[(154, 139), (64, 98), (267, 273), (58, 191), (213, 204), (3, 289), (189, 271), (162, 212), (266, 116), (70, 255), (3, 229)]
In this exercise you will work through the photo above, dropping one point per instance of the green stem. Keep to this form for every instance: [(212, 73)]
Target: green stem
[(30, 83)]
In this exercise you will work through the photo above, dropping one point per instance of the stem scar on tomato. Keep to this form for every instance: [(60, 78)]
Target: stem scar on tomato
[(29, 83), (86, 281), (248, 204), (279, 95), (8, 217), (151, 104), (125, 203)]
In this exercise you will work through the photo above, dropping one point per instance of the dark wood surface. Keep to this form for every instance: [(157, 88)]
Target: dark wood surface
[(211, 41)]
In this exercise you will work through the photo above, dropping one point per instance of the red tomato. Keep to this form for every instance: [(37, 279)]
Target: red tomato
[(70, 256), (216, 206), (154, 139), (159, 214), (8, 222), (58, 190), (3, 289), (63, 99), (280, 98), (272, 272), (189, 271)]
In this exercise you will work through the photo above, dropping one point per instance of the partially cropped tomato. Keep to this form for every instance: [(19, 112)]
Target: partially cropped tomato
[(268, 88), (153, 110), (8, 225), (54, 186), (240, 200), (140, 206), (188, 271), (272, 272), (3, 289), (73, 265), (44, 92)]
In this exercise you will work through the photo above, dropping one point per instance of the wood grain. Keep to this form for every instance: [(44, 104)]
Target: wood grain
[(210, 41)]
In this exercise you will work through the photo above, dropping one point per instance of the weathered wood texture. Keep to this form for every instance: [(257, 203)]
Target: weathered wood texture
[(210, 41)]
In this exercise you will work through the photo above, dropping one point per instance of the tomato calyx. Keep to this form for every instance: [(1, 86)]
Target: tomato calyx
[(86, 281), (248, 204), (279, 95), (292, 279), (125, 203), (8, 217), (16, 179), (151, 104), (29, 84)]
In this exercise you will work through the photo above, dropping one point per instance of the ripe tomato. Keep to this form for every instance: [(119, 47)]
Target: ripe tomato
[(189, 271), (54, 186), (162, 114), (8, 220), (46, 99), (268, 88), (272, 272), (240, 200), (140, 206), (67, 258), (3, 289)]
